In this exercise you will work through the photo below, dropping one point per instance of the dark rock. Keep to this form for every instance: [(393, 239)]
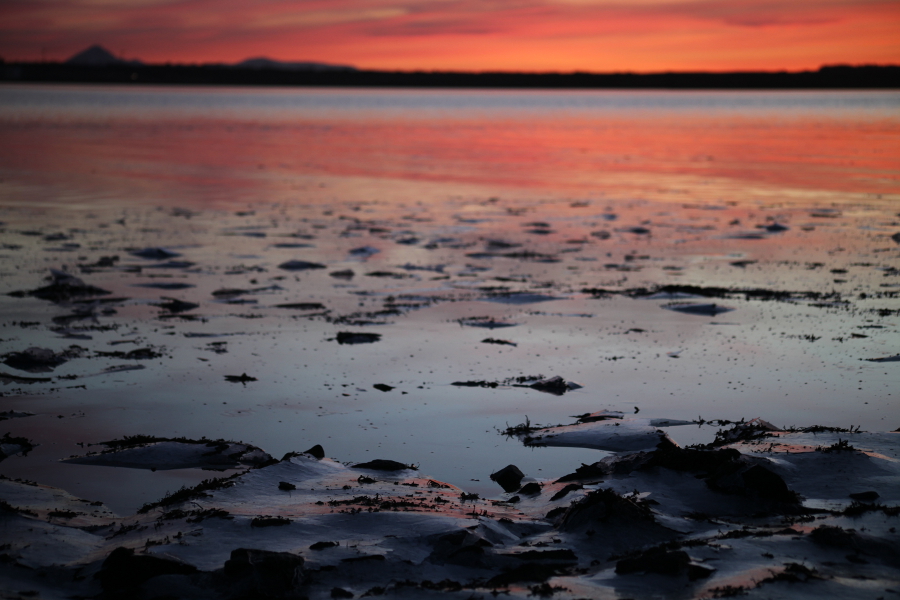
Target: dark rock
[(594, 472), (670, 456), (171, 264), (302, 306), (316, 452), (137, 354), (63, 288), (849, 540), (531, 489), (340, 593), (383, 465), (468, 556), (506, 297), (174, 305), (230, 292), (509, 478), (603, 506), (345, 274), (487, 322), (323, 545), (285, 486), (753, 480), (725, 470), (242, 378), (263, 572), (124, 570), (383, 387), (460, 547), (166, 285), (552, 385), (834, 537), (896, 237), (154, 253), (484, 384), (40, 360), (760, 481), (496, 341), (502, 244), (563, 492), (349, 337), (870, 496), (663, 562), (11, 445), (299, 265), (556, 512), (364, 251), (704, 310)]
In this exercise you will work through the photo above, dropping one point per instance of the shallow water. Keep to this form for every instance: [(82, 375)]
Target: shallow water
[(612, 190)]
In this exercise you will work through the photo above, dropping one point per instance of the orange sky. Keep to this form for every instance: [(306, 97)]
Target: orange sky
[(513, 35)]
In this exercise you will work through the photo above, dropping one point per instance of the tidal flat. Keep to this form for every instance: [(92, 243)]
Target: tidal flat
[(294, 354)]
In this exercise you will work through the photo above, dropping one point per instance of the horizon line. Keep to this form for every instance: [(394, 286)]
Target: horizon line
[(137, 64)]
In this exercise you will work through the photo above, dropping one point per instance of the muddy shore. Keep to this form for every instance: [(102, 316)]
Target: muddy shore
[(160, 362)]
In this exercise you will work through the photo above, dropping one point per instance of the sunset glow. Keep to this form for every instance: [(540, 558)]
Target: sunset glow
[(530, 35)]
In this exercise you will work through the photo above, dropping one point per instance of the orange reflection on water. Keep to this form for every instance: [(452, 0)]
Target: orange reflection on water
[(698, 155)]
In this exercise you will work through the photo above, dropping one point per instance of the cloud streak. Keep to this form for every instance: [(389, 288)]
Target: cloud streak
[(563, 35)]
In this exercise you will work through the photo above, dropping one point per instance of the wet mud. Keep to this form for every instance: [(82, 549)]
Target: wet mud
[(645, 337)]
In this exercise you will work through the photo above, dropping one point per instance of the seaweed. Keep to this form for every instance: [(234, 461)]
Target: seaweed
[(7, 507), (183, 494), (838, 446), (793, 572), (728, 591), (267, 521), (545, 590), (522, 428)]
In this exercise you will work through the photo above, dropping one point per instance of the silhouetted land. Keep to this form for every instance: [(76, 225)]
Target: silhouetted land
[(828, 77)]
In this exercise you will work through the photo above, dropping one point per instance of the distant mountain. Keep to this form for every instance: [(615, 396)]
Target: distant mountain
[(268, 63), (98, 56)]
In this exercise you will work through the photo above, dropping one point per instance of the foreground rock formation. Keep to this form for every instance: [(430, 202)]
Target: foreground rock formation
[(758, 513)]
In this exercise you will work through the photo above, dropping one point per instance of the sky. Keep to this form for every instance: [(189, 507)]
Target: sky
[(472, 35)]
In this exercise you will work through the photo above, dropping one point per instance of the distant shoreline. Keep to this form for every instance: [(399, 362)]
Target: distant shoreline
[(828, 77)]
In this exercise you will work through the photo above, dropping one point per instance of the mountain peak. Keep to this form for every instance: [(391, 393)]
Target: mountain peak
[(98, 56)]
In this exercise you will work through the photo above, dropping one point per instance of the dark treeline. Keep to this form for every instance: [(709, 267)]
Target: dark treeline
[(829, 77)]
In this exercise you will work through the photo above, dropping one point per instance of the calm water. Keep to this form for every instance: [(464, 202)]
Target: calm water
[(240, 180), (233, 145)]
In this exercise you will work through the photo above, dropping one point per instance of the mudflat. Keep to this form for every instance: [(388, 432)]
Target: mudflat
[(338, 383)]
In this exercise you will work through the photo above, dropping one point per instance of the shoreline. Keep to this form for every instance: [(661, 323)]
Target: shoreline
[(826, 78)]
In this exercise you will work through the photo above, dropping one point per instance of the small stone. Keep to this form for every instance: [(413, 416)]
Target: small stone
[(509, 478), (530, 489), (316, 452)]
